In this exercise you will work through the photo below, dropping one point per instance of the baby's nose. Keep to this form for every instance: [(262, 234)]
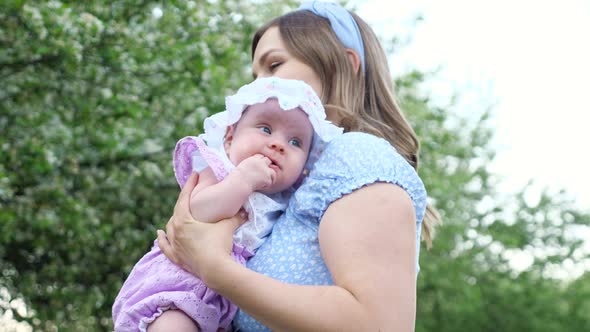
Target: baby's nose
[(277, 146)]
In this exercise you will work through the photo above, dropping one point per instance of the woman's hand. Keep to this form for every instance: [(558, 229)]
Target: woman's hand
[(197, 246)]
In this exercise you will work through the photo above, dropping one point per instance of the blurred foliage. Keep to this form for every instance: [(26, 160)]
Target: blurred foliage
[(474, 277), (94, 95)]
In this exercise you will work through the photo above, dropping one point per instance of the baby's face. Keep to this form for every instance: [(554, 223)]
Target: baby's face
[(284, 137)]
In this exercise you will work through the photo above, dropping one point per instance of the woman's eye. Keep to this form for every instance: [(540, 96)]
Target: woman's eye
[(295, 142), (265, 129), (274, 65)]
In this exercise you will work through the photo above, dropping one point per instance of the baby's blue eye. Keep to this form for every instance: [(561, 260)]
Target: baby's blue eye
[(265, 129), (295, 142)]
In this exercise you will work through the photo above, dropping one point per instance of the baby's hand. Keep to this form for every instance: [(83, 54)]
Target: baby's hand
[(255, 171)]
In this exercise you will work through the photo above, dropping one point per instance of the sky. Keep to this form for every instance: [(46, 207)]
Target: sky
[(527, 60)]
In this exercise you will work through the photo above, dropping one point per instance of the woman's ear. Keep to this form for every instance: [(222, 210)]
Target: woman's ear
[(354, 59)]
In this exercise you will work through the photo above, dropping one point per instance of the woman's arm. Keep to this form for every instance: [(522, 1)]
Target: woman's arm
[(367, 240)]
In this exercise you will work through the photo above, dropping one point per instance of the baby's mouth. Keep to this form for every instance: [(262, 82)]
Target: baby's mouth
[(274, 164)]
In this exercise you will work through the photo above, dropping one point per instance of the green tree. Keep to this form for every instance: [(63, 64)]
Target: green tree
[(468, 281), (93, 96)]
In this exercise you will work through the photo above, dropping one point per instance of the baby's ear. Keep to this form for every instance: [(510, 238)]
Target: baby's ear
[(229, 136), (300, 179)]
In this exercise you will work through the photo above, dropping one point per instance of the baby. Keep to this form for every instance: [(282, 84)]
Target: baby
[(251, 156)]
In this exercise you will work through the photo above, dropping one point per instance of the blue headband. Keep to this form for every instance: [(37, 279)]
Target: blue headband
[(342, 23)]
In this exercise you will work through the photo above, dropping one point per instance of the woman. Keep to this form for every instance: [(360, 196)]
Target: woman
[(344, 255)]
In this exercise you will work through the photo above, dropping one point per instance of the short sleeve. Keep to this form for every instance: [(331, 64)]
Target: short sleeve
[(350, 162)]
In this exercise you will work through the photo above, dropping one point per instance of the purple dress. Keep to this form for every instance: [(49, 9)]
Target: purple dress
[(156, 284)]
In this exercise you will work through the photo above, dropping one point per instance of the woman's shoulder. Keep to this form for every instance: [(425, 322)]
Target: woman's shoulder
[(358, 147), (357, 137), (356, 159)]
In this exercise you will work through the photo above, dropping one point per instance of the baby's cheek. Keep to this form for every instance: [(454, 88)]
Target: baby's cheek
[(297, 172), (235, 155)]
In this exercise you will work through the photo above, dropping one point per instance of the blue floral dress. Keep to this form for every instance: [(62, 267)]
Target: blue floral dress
[(292, 253)]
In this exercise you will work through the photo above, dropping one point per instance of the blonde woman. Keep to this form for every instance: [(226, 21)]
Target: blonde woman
[(344, 256)]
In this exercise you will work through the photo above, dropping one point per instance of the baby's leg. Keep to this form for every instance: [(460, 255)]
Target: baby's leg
[(173, 320)]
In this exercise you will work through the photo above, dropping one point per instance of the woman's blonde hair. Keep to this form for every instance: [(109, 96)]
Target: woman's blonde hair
[(364, 103)]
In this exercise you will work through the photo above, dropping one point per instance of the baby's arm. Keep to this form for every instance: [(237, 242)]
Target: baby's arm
[(212, 201)]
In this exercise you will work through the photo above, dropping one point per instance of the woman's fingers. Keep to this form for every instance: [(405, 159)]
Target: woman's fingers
[(165, 246), (189, 243), (170, 230), (181, 211), (183, 198), (165, 239)]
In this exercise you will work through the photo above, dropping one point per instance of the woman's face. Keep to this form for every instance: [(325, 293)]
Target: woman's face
[(271, 58)]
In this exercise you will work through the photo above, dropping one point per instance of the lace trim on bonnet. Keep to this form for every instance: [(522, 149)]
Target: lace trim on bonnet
[(290, 94)]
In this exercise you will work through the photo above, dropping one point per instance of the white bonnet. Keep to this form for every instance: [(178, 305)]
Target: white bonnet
[(290, 94)]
